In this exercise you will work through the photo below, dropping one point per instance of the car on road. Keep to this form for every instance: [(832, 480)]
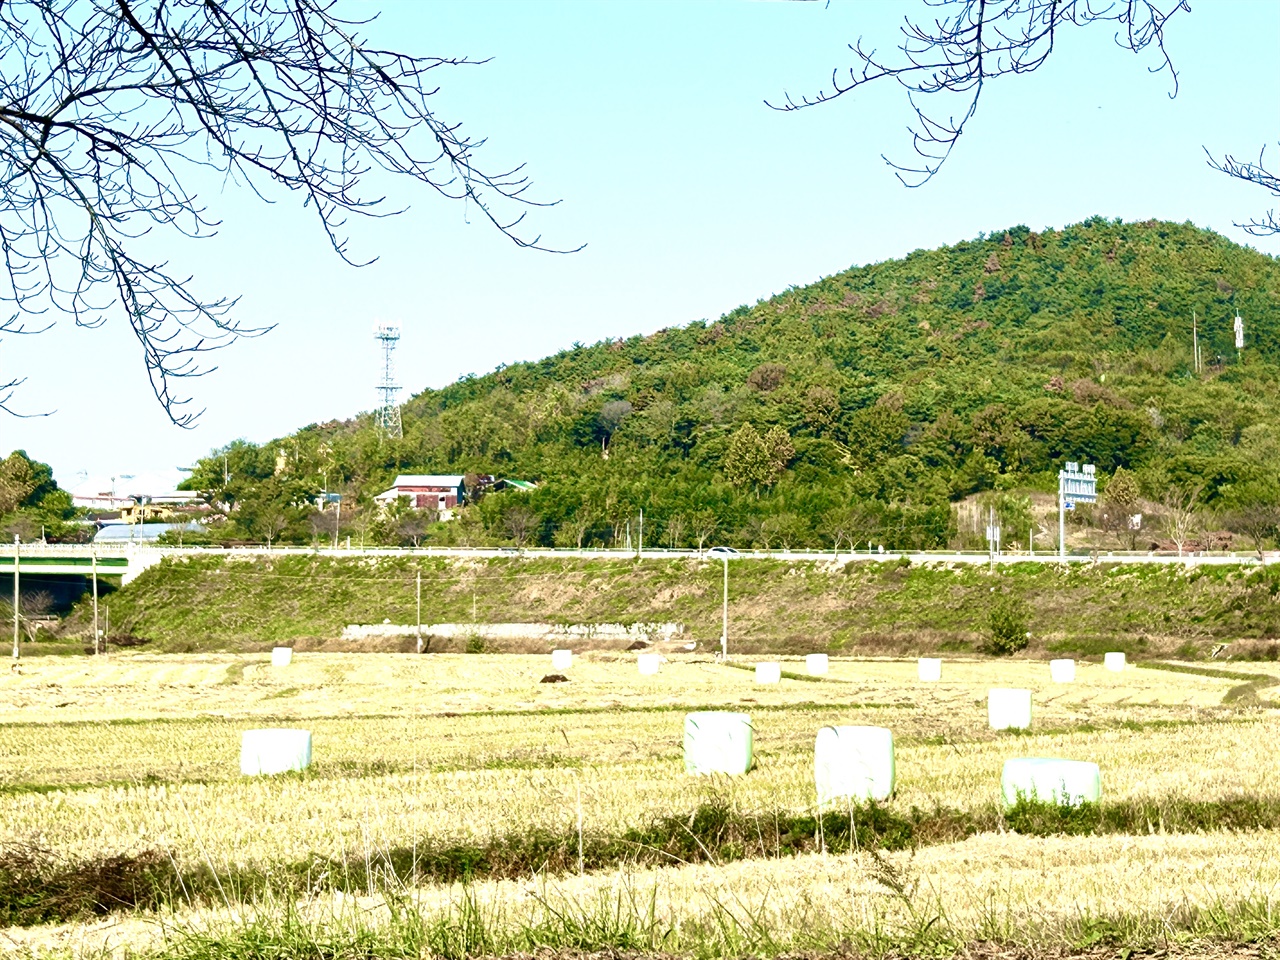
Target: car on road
[(722, 552)]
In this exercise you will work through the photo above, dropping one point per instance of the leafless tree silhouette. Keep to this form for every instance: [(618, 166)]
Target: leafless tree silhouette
[(1255, 173), (109, 110), (949, 58)]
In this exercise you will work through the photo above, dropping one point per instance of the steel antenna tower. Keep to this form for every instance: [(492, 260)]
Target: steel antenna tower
[(387, 419)]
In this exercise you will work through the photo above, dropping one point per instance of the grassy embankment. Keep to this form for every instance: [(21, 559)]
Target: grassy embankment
[(861, 607)]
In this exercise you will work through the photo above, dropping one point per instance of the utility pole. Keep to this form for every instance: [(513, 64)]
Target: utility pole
[(97, 634), (724, 630), (1195, 343), (17, 549), (106, 634), (418, 630), (640, 539), (337, 513)]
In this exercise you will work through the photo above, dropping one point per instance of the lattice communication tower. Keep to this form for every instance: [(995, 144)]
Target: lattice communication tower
[(387, 417)]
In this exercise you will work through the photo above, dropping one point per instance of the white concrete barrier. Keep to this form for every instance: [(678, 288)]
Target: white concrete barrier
[(853, 763), (273, 751), (1050, 780), (1008, 709), (718, 742)]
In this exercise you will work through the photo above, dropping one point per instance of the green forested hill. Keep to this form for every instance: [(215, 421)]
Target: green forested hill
[(869, 400)]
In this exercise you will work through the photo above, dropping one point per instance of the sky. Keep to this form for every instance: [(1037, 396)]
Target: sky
[(647, 121)]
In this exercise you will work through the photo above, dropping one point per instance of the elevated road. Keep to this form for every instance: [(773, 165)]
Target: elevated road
[(129, 560)]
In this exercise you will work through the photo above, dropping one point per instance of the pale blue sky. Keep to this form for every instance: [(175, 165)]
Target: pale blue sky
[(693, 197)]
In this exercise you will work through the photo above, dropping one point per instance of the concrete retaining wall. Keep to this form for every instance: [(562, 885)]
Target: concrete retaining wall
[(551, 632)]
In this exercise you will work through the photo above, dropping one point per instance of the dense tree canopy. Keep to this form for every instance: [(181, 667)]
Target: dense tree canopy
[(898, 387), (31, 503)]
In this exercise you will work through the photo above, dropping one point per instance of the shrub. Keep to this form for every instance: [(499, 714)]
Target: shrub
[(1007, 626)]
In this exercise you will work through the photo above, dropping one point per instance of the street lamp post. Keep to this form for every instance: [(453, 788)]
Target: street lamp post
[(17, 549)]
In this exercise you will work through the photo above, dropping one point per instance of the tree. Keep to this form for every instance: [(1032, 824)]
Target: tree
[(1253, 509), (851, 525), (951, 53), (611, 416), (784, 528), (1181, 514), (743, 461), (756, 461), (19, 481), (675, 531), (1007, 621), (703, 525), (1119, 506), (520, 522), (767, 377), (572, 531), (414, 526), (109, 109)]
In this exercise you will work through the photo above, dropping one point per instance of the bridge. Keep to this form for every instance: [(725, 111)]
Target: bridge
[(128, 560)]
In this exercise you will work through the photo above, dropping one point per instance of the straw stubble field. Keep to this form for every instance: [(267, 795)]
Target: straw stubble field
[(532, 812)]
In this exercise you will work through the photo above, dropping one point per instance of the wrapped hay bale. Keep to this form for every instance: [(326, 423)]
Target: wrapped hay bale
[(1050, 780), (816, 664), (1113, 661), (272, 751), (929, 669), (1008, 709), (1062, 671), (648, 663), (281, 656), (853, 763), (718, 742), (561, 659), (768, 672)]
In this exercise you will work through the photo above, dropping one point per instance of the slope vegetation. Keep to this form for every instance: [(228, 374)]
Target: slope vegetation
[(860, 406)]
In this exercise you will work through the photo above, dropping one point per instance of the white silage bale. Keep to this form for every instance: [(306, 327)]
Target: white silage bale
[(768, 672), (718, 742), (1062, 671), (816, 664), (1113, 661), (929, 669), (278, 750), (648, 663), (1008, 709), (1050, 780), (281, 656), (561, 659), (853, 763)]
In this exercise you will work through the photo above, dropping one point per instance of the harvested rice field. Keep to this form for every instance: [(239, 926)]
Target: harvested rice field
[(455, 805)]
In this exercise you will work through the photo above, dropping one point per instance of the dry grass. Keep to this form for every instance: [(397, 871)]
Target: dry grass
[(473, 747), (1045, 893), (139, 686)]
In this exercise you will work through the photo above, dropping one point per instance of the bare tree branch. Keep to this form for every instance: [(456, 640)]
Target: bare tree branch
[(950, 58), (109, 108), (1255, 173)]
